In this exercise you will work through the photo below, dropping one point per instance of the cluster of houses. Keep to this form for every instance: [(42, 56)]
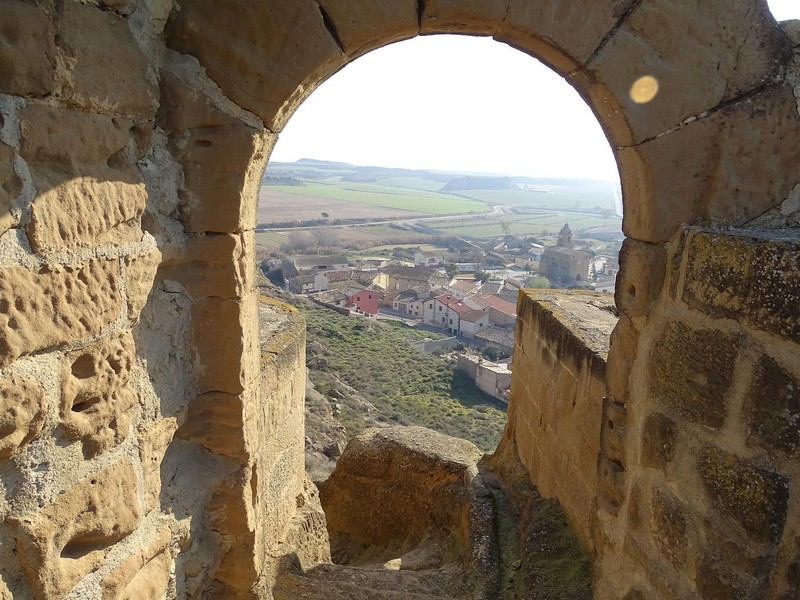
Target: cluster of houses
[(465, 308)]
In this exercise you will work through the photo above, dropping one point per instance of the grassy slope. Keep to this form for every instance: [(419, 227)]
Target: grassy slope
[(405, 385)]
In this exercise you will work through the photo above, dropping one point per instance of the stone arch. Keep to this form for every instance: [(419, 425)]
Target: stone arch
[(716, 146), (724, 111)]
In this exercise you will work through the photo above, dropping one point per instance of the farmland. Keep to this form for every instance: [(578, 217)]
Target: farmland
[(365, 207)]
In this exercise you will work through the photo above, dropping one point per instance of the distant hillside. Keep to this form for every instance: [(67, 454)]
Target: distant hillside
[(480, 183)]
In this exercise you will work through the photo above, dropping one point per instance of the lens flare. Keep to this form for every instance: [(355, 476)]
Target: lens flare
[(644, 89)]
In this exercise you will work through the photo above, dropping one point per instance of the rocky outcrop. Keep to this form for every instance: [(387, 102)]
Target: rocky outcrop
[(410, 498)]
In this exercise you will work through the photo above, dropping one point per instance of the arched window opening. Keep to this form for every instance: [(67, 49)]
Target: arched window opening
[(449, 172)]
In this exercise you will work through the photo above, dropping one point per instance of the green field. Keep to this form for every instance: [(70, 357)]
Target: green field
[(418, 201), (522, 224), (577, 197)]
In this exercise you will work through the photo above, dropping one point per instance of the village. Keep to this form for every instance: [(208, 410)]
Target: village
[(469, 299)]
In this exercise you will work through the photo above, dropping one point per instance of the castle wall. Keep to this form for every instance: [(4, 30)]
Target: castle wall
[(142, 437), (557, 395)]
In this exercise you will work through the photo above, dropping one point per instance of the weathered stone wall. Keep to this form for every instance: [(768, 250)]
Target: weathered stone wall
[(140, 448), (703, 501), (556, 406)]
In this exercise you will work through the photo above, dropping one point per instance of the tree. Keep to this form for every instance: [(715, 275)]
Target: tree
[(537, 281), (325, 216), (506, 227), (482, 276), (593, 273), (451, 269)]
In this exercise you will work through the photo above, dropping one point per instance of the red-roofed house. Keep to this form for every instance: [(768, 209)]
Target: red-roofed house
[(456, 316), (501, 312), (364, 300)]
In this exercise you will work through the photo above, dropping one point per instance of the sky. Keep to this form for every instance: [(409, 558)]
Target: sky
[(455, 103)]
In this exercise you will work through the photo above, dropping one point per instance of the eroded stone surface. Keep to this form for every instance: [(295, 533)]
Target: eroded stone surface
[(110, 71), (393, 488), (751, 496), (153, 443), (753, 279), (10, 186), (281, 51), (772, 407), (69, 538), (658, 441), (55, 305), (86, 185), (27, 50), (96, 393), (140, 272), (691, 371), (144, 575), (669, 526), (22, 412)]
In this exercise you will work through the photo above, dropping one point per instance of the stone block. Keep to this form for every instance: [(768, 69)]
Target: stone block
[(562, 34), (10, 186), (69, 538), (153, 443), (87, 188), (22, 413), (716, 49), (658, 441), (752, 497), (735, 164), (480, 17), (215, 421), (641, 276), (362, 25), (613, 432), (717, 579), (212, 266), (623, 345), (690, 372), (668, 522), (97, 395), (55, 305), (143, 576), (281, 51), (220, 157), (27, 50), (226, 337), (754, 280), (140, 273), (110, 72), (772, 410)]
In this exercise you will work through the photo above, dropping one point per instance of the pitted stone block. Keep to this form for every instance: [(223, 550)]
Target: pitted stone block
[(69, 538), (97, 395), (691, 372), (55, 305), (153, 443), (27, 50), (658, 441), (87, 187), (281, 51), (22, 413)]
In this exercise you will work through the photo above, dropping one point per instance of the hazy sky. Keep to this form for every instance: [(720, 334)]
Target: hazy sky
[(455, 103)]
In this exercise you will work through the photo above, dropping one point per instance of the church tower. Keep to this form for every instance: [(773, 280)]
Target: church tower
[(565, 237)]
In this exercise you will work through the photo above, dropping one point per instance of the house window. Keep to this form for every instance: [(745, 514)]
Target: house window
[(440, 309), (480, 324), (370, 296), (443, 320), (358, 299), (430, 305), (451, 321)]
